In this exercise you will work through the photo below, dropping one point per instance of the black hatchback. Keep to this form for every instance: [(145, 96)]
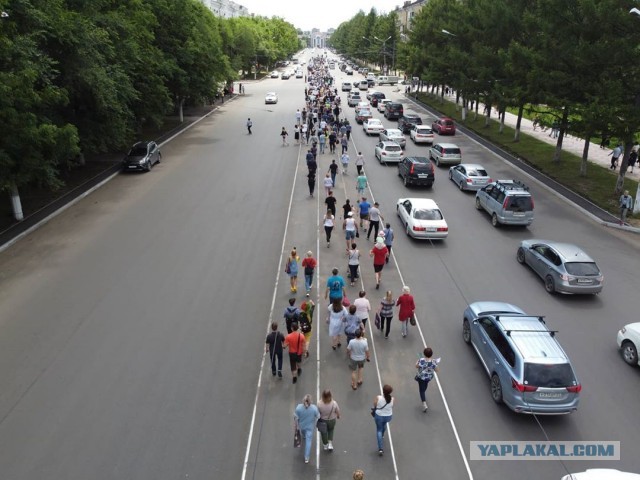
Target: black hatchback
[(142, 156), (406, 122), (416, 171), (393, 110)]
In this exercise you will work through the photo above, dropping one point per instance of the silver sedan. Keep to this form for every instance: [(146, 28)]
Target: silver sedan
[(393, 135), (564, 267), (469, 176)]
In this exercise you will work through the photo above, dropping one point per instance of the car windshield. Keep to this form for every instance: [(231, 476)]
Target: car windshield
[(582, 269), (393, 148), (423, 130), (448, 123), (451, 151), (519, 203), (555, 375), (477, 173), (138, 151), (424, 214)]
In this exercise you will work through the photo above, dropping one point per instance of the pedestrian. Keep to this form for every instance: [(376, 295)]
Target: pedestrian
[(311, 176), (348, 127), (298, 117), (249, 125), (336, 320), (406, 310), (274, 347), (426, 369), (344, 159), (555, 128), (606, 140), (296, 134), (309, 264), (330, 202), (328, 224), (363, 307), (306, 322), (626, 203), (344, 143), (631, 161), (359, 162), (296, 345), (379, 253), (291, 268), (353, 262), (322, 139), (307, 132), (352, 323), (364, 207), (358, 475), (347, 209), (388, 239), (358, 351), (350, 227), (615, 155), (536, 122), (291, 314), (284, 134), (335, 287), (361, 183), (374, 220), (327, 183), (332, 141), (306, 415), (382, 412), (304, 137), (329, 413), (333, 170), (385, 312)]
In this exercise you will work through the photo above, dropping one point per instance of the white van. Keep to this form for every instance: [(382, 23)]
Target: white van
[(390, 79)]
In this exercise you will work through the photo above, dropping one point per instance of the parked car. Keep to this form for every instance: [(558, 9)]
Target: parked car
[(372, 126), (564, 267), (393, 135), (422, 218), (388, 152), (393, 110), (363, 114), (445, 153), (469, 176), (444, 126), (271, 97), (346, 87), (628, 342), (416, 171), (382, 104), (528, 369), (508, 202), (142, 156), (421, 134), (406, 122)]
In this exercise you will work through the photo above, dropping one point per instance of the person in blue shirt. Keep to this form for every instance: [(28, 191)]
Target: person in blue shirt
[(388, 238), (364, 211), (335, 287), (306, 415)]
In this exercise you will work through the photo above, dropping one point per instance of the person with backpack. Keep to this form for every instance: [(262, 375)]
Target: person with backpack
[(388, 239), (296, 344), (309, 264), (352, 323), (306, 322), (291, 268), (427, 367), (274, 347), (291, 314)]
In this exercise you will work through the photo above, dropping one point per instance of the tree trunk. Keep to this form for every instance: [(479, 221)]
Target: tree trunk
[(516, 136), (623, 168), (501, 115), (585, 155), (563, 126), (487, 108), (16, 204), (180, 109)]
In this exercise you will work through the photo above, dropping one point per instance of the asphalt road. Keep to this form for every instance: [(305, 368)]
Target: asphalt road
[(132, 325)]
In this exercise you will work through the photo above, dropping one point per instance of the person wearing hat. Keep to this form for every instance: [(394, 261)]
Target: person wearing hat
[(626, 203), (379, 253), (351, 229)]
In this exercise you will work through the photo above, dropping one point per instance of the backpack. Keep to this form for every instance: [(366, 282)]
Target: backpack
[(304, 322), (287, 267), (291, 316)]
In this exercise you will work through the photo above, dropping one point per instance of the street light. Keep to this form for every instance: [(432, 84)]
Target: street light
[(384, 50)]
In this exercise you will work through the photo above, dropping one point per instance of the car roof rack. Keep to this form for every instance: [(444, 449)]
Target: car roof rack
[(512, 185), (550, 332)]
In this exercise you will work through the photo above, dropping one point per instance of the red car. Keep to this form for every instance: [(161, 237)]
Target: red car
[(444, 126)]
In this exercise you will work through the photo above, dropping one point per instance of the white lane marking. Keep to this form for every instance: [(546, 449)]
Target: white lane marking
[(317, 319), (273, 302), (444, 399)]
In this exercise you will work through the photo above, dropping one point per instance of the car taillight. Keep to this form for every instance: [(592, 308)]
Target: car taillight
[(575, 389), (384, 153), (443, 229), (521, 387), (531, 203), (505, 203), (469, 180), (489, 180), (419, 229), (411, 170)]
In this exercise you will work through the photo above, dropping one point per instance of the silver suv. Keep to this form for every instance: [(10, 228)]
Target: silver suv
[(529, 370), (507, 201)]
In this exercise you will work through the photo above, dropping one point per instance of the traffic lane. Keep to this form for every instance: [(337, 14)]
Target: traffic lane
[(134, 349), (514, 236)]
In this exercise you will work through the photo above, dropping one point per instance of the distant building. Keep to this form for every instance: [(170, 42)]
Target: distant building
[(226, 8), (407, 12)]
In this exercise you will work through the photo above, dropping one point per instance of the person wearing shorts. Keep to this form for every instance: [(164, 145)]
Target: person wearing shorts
[(364, 211), (350, 229), (358, 350), (296, 344)]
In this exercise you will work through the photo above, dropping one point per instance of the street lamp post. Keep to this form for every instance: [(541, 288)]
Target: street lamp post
[(384, 51), (464, 102)]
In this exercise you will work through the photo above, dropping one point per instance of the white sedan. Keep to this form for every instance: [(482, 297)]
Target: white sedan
[(421, 134), (388, 152), (629, 342), (372, 126), (393, 135), (271, 97), (422, 218), (469, 176)]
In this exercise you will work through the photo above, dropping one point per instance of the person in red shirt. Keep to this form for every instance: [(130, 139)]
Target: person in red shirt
[(309, 264), (407, 307), (296, 344), (379, 252)]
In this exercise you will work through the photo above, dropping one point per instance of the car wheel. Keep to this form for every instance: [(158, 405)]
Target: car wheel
[(437, 162), (148, 166), (629, 353), (461, 186), (408, 230), (406, 183), (478, 205), (466, 331), (450, 175), (159, 157), (549, 284), (494, 220), (520, 255), (496, 388)]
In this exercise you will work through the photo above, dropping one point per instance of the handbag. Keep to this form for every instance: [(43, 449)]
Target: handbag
[(373, 409), (321, 424), (297, 438), (377, 321), (412, 320)]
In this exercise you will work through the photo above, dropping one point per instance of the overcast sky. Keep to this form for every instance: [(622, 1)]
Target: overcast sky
[(323, 14)]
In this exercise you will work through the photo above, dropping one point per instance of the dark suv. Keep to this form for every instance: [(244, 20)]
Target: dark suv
[(406, 122), (375, 98), (393, 110), (416, 171)]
